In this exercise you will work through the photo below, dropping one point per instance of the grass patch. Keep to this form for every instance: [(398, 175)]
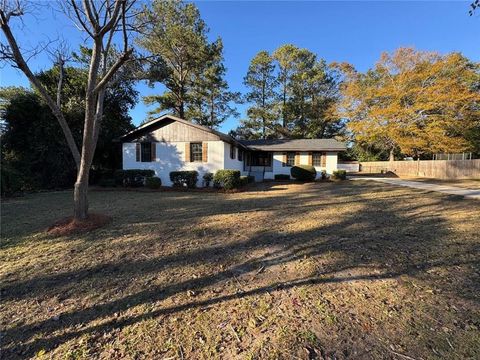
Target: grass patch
[(282, 271)]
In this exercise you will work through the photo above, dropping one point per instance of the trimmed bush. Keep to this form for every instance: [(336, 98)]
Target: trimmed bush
[(282, 177), (228, 179), (303, 172), (323, 175), (186, 179), (153, 182), (251, 179), (132, 178), (339, 175), (207, 178), (243, 180), (104, 182)]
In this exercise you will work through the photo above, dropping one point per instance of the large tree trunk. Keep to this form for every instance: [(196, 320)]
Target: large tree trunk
[(391, 156), (105, 19), (80, 196)]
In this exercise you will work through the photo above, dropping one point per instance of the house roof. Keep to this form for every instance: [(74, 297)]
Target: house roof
[(294, 144), (155, 123), (262, 145)]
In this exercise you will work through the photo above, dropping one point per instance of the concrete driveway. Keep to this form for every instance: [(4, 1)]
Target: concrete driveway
[(445, 189)]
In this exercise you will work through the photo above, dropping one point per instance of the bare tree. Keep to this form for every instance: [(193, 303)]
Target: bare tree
[(103, 22), (474, 5)]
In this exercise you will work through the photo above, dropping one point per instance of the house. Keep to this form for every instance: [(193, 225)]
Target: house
[(169, 143)]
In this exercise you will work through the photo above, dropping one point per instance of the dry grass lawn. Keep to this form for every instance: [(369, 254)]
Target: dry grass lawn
[(350, 270)]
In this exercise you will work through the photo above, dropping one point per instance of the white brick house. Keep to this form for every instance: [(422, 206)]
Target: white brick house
[(169, 143)]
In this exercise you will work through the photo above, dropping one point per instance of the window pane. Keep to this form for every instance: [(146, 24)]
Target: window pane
[(291, 159), (146, 152), (196, 151)]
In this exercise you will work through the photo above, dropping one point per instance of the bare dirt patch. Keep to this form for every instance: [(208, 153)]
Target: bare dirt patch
[(348, 270)]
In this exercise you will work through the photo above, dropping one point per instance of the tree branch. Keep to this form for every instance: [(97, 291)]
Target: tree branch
[(23, 66)]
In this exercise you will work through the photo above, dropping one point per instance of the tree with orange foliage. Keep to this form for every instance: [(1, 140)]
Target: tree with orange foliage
[(415, 102)]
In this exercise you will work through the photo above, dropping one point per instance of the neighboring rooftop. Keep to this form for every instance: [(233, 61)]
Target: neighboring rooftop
[(294, 144)]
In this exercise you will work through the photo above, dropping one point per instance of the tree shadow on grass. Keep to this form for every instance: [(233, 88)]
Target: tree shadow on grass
[(384, 235)]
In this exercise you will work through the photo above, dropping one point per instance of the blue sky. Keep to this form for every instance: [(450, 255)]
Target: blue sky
[(355, 32)]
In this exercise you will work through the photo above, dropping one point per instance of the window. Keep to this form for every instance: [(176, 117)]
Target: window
[(317, 159), (290, 159), (146, 152), (196, 152), (232, 151), (261, 159), (240, 155)]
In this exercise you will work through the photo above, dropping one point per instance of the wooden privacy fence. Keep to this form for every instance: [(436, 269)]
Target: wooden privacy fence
[(439, 169)]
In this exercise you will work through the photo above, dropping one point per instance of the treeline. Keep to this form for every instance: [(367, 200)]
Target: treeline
[(181, 58), (34, 152), (292, 93), (410, 103)]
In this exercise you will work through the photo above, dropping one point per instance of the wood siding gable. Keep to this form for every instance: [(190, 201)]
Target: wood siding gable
[(174, 131)]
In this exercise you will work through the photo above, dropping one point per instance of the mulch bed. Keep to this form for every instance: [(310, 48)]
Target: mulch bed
[(68, 226)]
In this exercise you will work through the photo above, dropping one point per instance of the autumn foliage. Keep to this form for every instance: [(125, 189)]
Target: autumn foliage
[(414, 102)]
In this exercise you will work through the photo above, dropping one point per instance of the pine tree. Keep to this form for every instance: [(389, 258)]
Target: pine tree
[(176, 36), (261, 81), (212, 102)]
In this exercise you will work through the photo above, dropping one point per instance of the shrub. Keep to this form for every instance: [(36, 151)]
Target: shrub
[(132, 178), (282, 177), (153, 182), (105, 182), (184, 178), (243, 180), (323, 175), (228, 179), (303, 172), (98, 175), (339, 175), (11, 181), (207, 178)]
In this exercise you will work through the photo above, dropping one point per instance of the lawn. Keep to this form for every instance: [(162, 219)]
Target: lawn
[(357, 270)]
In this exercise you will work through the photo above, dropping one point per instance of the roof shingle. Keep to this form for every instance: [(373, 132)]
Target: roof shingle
[(294, 144)]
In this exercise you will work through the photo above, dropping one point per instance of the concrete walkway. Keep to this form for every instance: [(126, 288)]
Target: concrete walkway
[(445, 189)]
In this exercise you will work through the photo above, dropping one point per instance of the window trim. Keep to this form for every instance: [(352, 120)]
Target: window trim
[(290, 153), (145, 147), (196, 153), (317, 155)]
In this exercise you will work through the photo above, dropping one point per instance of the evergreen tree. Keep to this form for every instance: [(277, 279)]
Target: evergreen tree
[(261, 81), (176, 36), (286, 58), (211, 101), (182, 59)]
